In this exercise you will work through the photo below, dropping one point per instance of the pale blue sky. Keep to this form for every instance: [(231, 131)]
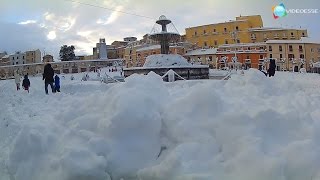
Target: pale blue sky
[(26, 24)]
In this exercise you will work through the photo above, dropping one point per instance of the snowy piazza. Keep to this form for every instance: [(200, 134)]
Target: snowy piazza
[(159, 90)]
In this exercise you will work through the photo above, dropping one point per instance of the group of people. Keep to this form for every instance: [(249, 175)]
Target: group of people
[(25, 82), (48, 77)]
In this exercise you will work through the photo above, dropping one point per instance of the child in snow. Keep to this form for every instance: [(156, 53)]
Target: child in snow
[(17, 80), (26, 83), (57, 83)]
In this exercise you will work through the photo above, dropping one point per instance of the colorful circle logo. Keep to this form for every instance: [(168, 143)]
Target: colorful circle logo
[(279, 11)]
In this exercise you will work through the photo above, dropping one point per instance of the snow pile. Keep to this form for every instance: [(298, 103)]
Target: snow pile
[(166, 60), (249, 127)]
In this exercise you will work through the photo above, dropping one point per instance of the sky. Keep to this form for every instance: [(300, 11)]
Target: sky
[(49, 24)]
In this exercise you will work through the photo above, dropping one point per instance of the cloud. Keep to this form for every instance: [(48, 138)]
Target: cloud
[(27, 22), (112, 18)]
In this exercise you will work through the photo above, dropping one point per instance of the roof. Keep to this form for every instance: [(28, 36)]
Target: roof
[(6, 56), (303, 40), (201, 52), (272, 29), (152, 47), (242, 45), (212, 24)]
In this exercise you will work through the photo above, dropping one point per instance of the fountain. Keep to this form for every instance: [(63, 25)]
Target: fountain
[(164, 62)]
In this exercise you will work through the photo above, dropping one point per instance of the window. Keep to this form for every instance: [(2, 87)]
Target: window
[(225, 29), (237, 28), (270, 48), (300, 48), (291, 56), (204, 32), (261, 56), (280, 48), (253, 36), (281, 56), (290, 48), (248, 57), (17, 57), (12, 58), (215, 42), (311, 50), (238, 40), (301, 56), (270, 55), (303, 35), (214, 30), (249, 48), (22, 57), (210, 58), (195, 33), (16, 62), (226, 42), (205, 44)]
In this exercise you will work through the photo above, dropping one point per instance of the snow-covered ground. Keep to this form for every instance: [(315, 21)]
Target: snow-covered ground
[(247, 128)]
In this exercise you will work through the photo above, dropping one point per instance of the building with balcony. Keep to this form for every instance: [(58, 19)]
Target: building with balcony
[(249, 55), (264, 34), (291, 55)]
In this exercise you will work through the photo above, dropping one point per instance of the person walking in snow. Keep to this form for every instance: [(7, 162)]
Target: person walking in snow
[(57, 83), (17, 80), (272, 68), (26, 83), (48, 74)]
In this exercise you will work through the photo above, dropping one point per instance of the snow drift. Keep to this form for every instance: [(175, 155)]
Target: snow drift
[(249, 127)]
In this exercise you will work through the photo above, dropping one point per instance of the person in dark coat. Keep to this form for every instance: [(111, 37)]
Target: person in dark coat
[(26, 83), (48, 77), (272, 68), (57, 83)]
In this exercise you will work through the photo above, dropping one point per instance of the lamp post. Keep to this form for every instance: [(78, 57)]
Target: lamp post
[(234, 36)]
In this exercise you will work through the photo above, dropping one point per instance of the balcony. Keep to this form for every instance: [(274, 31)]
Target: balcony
[(215, 33), (276, 36), (253, 38), (292, 37), (284, 37)]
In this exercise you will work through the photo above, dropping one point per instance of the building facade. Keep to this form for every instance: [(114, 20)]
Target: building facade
[(249, 55), (265, 34), (245, 29), (203, 56), (291, 55), (33, 56), (17, 58)]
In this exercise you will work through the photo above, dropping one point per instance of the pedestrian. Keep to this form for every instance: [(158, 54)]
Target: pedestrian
[(57, 83), (26, 83), (48, 74), (17, 80), (272, 68)]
